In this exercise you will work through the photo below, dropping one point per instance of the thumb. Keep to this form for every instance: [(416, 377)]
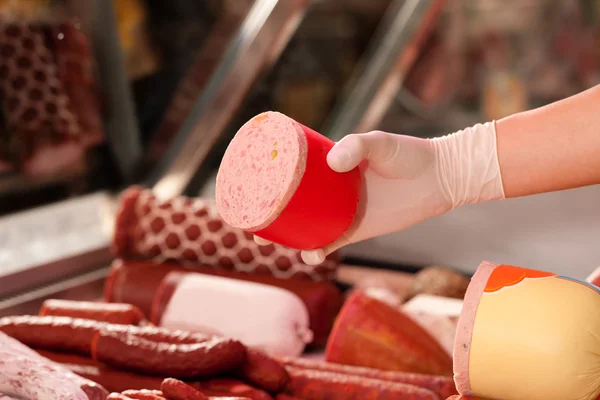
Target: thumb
[(348, 153)]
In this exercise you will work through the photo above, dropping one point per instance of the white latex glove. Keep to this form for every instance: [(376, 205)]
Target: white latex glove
[(408, 180)]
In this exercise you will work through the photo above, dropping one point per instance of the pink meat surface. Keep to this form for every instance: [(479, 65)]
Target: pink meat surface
[(464, 331), (260, 171), (23, 373)]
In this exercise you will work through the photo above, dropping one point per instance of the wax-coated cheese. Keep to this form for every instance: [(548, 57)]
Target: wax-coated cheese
[(526, 334)]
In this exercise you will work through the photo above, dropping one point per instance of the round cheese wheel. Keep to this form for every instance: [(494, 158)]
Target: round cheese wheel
[(274, 181), (526, 334)]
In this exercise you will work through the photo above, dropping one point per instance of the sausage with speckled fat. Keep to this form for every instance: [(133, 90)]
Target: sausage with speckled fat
[(28, 378)]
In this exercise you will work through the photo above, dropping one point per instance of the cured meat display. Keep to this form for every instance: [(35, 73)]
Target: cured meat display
[(76, 72), (517, 322), (274, 181), (190, 232), (140, 284), (137, 362), (38, 111)]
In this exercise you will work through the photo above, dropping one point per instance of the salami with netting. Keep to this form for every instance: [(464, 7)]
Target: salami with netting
[(189, 231)]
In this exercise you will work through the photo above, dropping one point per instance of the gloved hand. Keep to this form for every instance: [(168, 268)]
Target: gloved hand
[(408, 180)]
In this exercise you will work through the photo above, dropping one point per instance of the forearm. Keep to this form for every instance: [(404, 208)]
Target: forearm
[(551, 148)]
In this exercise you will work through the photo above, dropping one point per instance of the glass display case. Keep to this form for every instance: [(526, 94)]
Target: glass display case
[(97, 96)]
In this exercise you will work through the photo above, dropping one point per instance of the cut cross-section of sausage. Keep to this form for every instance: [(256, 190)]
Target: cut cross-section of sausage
[(274, 181)]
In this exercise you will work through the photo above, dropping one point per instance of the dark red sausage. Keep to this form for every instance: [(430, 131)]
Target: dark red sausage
[(283, 396), (75, 335), (128, 351), (264, 372), (52, 333), (231, 387), (322, 385), (442, 385), (175, 389), (144, 394), (115, 313), (156, 334)]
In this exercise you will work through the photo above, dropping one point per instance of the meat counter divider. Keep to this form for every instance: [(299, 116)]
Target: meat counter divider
[(258, 43), (396, 46)]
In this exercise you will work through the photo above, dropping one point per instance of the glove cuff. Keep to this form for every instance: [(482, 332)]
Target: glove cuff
[(468, 167)]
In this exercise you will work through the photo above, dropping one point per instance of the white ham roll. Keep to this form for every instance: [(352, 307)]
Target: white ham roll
[(261, 316), (526, 334), (437, 315)]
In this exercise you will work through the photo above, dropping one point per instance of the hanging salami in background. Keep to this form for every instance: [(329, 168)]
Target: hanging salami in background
[(49, 96)]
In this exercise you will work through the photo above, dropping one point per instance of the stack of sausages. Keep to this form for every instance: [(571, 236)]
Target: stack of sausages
[(114, 346)]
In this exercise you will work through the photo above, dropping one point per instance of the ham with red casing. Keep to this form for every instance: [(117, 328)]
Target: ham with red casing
[(274, 181)]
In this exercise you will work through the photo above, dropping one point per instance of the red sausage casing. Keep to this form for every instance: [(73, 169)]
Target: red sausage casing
[(115, 313), (274, 181), (139, 283)]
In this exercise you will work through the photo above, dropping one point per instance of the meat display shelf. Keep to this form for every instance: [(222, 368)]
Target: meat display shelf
[(46, 244), (85, 287)]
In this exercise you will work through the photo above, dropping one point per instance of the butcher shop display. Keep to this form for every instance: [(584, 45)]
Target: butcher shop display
[(98, 356), (527, 334), (274, 181)]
